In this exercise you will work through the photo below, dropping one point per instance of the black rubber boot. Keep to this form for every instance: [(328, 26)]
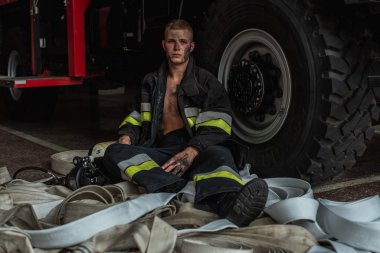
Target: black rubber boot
[(243, 207)]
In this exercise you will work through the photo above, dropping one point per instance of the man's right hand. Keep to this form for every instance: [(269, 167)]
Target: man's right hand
[(124, 139)]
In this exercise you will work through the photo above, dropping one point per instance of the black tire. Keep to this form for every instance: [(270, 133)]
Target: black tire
[(326, 107), (30, 104)]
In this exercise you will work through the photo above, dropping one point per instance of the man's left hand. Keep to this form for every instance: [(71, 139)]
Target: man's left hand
[(179, 163)]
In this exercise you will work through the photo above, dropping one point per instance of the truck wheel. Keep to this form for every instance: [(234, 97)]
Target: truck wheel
[(29, 104), (297, 85)]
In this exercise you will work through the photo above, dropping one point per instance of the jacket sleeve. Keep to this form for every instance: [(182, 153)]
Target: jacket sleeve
[(214, 123), (141, 114), (131, 126)]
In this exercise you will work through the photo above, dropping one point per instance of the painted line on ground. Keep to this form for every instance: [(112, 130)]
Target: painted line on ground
[(340, 185), (33, 139)]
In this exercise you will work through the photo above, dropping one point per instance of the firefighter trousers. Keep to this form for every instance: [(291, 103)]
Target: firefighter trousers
[(213, 170)]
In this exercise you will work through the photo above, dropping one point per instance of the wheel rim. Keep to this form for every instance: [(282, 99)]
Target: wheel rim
[(14, 63), (255, 72)]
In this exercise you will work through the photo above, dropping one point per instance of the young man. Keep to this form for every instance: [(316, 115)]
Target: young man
[(184, 114)]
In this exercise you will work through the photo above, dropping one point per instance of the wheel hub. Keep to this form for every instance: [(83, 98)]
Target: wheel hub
[(255, 72), (246, 87), (253, 86)]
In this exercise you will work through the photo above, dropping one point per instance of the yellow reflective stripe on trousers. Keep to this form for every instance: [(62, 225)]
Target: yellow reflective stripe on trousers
[(191, 121), (146, 116), (219, 174), (132, 170), (131, 121), (219, 123)]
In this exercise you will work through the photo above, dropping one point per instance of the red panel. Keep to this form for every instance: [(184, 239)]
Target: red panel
[(76, 37), (32, 38), (5, 2), (47, 82)]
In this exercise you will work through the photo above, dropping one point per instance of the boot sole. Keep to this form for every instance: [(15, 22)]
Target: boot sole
[(249, 203)]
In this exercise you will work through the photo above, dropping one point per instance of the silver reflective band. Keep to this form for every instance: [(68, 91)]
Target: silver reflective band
[(209, 115), (135, 160), (145, 107), (191, 112), (135, 115), (134, 118)]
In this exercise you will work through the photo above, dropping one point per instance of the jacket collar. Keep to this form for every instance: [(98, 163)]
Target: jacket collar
[(189, 81)]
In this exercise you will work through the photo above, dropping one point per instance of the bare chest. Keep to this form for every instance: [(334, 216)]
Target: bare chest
[(171, 118), (171, 101)]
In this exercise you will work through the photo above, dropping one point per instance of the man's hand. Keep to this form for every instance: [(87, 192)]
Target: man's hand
[(124, 139), (179, 163)]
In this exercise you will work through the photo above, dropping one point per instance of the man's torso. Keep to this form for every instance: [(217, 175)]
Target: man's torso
[(171, 118)]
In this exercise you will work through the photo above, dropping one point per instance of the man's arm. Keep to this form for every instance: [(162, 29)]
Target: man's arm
[(214, 123), (130, 127)]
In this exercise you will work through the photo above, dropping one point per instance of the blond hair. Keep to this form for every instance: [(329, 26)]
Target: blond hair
[(178, 24)]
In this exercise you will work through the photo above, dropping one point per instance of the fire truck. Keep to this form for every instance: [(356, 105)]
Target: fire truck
[(302, 75)]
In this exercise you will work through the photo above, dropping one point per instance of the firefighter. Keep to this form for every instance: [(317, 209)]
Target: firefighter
[(176, 136)]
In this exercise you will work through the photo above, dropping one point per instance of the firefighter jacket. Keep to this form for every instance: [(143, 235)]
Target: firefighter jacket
[(203, 104)]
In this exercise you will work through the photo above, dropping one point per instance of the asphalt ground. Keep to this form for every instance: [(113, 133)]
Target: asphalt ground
[(84, 118)]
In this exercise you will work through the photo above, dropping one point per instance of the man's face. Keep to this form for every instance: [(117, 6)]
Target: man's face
[(178, 44)]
